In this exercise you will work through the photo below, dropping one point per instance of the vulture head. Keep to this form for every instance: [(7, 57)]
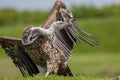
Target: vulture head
[(58, 25), (32, 33)]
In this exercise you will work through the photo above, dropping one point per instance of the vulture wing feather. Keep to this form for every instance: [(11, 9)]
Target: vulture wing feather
[(15, 50), (69, 36)]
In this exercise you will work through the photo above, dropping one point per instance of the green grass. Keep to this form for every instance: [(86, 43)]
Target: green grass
[(82, 77), (92, 66), (12, 30), (106, 30)]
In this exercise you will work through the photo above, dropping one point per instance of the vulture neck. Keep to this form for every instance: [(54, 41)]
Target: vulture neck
[(55, 28)]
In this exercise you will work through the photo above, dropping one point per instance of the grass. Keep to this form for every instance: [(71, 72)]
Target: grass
[(92, 66), (87, 63), (82, 77), (106, 30)]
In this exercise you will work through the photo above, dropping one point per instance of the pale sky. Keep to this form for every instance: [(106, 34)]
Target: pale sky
[(47, 4)]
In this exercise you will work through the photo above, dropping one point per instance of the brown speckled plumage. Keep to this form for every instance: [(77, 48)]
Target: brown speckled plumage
[(42, 50)]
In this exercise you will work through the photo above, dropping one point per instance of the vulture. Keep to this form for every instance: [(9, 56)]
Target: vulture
[(46, 49)]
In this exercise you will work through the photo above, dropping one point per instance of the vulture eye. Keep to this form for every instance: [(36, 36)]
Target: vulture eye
[(61, 23), (31, 38)]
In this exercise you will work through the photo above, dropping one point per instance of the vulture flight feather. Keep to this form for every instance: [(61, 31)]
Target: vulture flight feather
[(47, 49)]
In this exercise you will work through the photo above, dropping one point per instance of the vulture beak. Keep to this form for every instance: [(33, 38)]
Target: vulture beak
[(68, 24)]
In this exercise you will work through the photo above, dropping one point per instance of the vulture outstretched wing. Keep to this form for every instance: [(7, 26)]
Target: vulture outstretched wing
[(15, 50), (66, 38)]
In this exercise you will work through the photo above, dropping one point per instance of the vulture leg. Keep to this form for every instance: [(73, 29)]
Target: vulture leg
[(52, 67), (64, 70), (49, 68)]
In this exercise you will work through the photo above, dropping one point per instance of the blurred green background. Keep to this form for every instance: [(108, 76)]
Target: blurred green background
[(104, 23)]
